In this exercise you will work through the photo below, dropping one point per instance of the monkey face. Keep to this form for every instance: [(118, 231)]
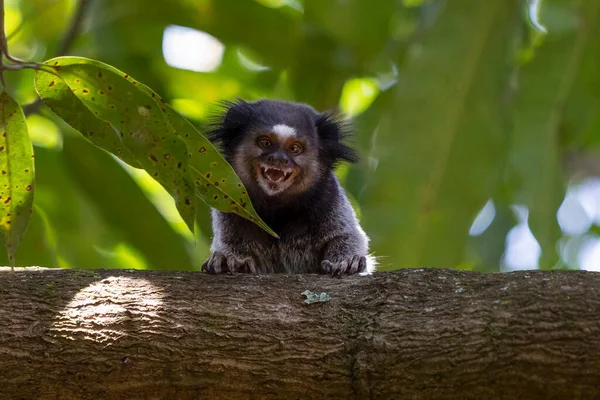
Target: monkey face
[(279, 148), (277, 160)]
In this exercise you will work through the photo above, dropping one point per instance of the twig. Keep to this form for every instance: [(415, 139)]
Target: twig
[(17, 67), (63, 47)]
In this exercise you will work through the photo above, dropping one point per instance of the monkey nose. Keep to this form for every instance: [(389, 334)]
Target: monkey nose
[(278, 159)]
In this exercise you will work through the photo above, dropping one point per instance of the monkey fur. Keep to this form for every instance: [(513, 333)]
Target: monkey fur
[(285, 154)]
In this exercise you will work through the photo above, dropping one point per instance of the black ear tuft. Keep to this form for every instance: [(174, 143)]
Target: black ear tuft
[(333, 129), (227, 127)]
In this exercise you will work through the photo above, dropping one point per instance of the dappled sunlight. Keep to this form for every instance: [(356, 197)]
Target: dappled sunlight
[(357, 95), (572, 217), (247, 62), (124, 256), (522, 249), (589, 256), (579, 212), (44, 132), (295, 4), (114, 301), (203, 89), (13, 20), (412, 3), (588, 194), (188, 48), (579, 248), (484, 219), (533, 13), (189, 108)]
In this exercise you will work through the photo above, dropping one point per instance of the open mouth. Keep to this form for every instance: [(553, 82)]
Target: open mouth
[(275, 174)]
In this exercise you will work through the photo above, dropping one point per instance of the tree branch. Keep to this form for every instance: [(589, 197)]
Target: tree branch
[(410, 334), (64, 46)]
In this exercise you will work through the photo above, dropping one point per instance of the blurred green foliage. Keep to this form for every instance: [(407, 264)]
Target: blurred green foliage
[(455, 102)]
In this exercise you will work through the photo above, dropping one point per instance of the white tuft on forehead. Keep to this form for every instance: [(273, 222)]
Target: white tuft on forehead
[(284, 131)]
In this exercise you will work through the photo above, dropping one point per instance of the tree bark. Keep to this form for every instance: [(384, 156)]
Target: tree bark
[(410, 334)]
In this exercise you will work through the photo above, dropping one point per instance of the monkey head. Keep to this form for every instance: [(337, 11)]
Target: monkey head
[(280, 149)]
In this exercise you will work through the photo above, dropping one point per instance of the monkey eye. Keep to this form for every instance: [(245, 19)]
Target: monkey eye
[(295, 148), (264, 143)]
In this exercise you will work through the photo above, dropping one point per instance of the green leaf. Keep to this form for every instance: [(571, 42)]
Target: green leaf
[(133, 107), (440, 153), (109, 95), (16, 175), (216, 182), (582, 111), (363, 25), (367, 126), (275, 34), (545, 84), (57, 95)]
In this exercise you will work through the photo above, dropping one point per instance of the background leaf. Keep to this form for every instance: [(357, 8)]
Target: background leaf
[(98, 176), (545, 84), (440, 153), (582, 110)]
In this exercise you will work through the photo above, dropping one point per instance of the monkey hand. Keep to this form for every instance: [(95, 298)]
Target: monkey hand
[(348, 266), (219, 263)]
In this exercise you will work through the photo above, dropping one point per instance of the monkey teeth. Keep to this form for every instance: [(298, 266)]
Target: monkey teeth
[(275, 174)]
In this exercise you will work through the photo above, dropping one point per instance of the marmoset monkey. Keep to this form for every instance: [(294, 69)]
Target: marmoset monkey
[(285, 154)]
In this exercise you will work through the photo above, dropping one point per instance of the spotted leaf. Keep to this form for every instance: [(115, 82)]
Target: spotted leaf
[(109, 95), (214, 179), (16, 175), (57, 95), (216, 182)]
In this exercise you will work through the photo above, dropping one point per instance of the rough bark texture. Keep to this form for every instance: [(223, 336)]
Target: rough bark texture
[(411, 334)]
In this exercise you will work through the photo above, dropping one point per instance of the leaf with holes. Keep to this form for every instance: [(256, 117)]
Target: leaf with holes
[(59, 98), (139, 121), (16, 175)]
